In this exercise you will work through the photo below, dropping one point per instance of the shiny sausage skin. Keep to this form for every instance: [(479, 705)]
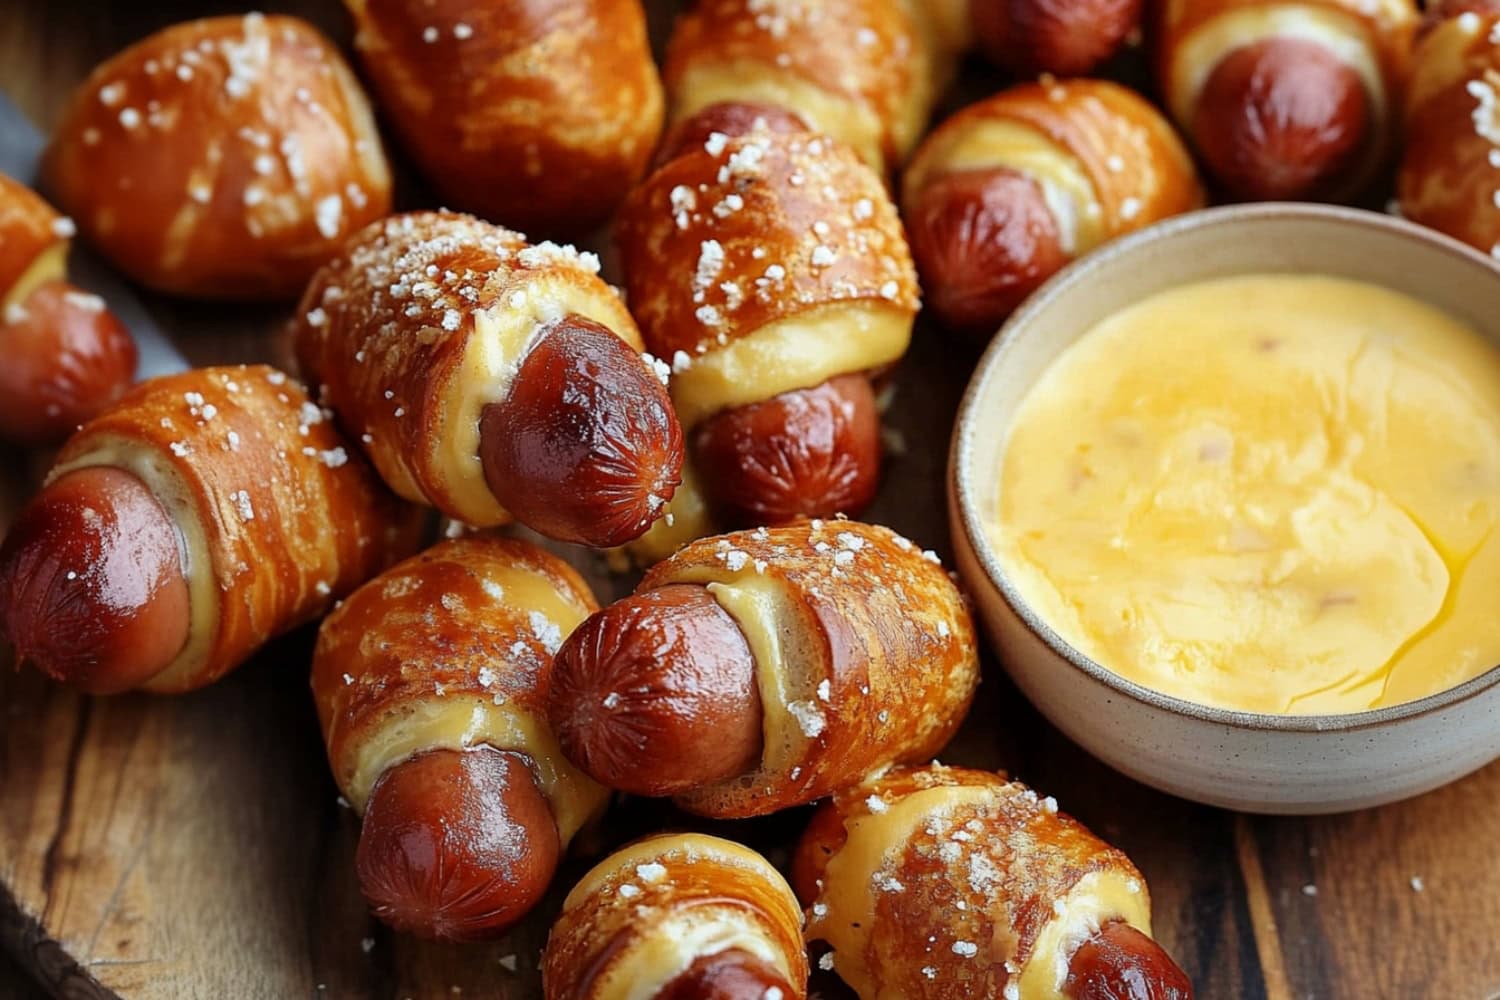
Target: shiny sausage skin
[(656, 694), (1063, 37), (1121, 963), (585, 447), (66, 357), (457, 845), (730, 119), (732, 974), (983, 240), (1282, 118), (808, 453), (91, 583)]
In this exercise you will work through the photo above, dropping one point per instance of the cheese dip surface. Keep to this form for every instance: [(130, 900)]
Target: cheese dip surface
[(1270, 493)]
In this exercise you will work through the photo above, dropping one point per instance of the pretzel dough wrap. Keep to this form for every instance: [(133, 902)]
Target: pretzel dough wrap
[(1371, 37), (220, 158), (647, 912), (33, 241), (452, 649), (773, 263), (863, 71), (277, 515), (538, 114), (864, 654), (1106, 161), (1451, 168), (945, 882), (420, 323)]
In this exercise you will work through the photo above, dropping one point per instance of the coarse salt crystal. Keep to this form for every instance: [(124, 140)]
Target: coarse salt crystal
[(876, 804), (659, 368), (242, 502), (546, 631), (965, 949), (809, 719), (327, 213)]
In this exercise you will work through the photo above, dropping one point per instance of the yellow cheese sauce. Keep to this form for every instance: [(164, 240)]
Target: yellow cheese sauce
[(1271, 493)]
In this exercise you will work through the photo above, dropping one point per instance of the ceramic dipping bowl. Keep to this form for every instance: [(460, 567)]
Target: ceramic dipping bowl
[(1239, 760)]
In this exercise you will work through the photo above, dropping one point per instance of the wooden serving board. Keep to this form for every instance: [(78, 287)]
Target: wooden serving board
[(196, 846)]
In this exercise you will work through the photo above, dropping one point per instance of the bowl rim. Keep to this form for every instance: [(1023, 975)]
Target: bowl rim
[(961, 471)]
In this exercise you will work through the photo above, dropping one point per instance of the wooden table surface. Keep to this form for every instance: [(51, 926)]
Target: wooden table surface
[(194, 847)]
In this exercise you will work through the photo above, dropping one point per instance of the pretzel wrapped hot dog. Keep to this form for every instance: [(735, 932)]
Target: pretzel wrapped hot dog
[(942, 882), (864, 71), (771, 271), (431, 682), (1004, 193), (531, 113), (66, 355), (678, 917), (767, 668), (221, 158), (1451, 169), (187, 524), (492, 379), (1287, 100)]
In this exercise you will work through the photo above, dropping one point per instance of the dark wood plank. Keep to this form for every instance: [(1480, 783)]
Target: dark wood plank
[(196, 847)]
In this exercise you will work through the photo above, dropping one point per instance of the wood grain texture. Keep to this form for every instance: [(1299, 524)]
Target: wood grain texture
[(195, 847)]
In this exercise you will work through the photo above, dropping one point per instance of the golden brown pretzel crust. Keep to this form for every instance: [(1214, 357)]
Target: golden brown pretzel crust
[(292, 518), (532, 113), (862, 69), (470, 622), (961, 901), (404, 332), (221, 158), (599, 925), (28, 228), (1451, 168), (865, 611), (768, 226), (1138, 168)]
